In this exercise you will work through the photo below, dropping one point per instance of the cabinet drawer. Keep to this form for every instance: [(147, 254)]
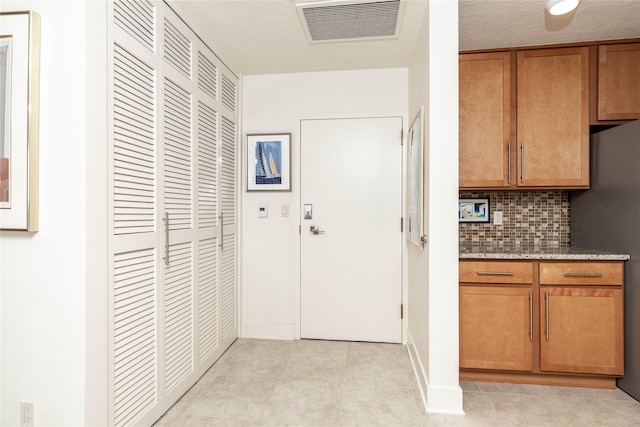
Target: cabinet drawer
[(496, 272), (582, 273)]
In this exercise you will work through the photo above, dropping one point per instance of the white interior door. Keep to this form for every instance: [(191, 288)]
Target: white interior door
[(351, 271)]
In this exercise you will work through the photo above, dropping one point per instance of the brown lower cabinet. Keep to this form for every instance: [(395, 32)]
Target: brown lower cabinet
[(542, 322)]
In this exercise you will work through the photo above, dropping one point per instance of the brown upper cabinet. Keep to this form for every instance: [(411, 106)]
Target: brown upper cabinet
[(485, 120), (553, 118), (524, 119), (619, 81)]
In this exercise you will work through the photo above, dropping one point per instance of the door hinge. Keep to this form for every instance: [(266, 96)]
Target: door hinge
[(402, 137), (300, 230), (402, 311), (401, 224)]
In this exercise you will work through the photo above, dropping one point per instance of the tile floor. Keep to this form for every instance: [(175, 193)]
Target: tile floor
[(328, 383)]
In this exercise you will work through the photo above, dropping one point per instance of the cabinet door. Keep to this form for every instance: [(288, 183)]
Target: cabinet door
[(484, 119), (619, 82), (496, 328), (581, 330), (553, 118)]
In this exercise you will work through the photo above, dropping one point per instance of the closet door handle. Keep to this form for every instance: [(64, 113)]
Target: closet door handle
[(546, 315), (221, 243), (530, 316), (166, 239)]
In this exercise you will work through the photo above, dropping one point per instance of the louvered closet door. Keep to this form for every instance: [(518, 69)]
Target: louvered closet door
[(178, 149), (173, 162), (228, 190), (136, 236)]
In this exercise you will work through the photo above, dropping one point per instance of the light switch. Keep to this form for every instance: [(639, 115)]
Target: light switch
[(263, 211), (284, 210), (497, 218)]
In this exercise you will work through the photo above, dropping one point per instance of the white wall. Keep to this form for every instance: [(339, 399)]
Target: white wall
[(276, 103), (433, 273), (45, 283)]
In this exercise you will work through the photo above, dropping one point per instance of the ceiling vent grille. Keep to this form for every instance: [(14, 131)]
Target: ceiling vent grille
[(332, 21)]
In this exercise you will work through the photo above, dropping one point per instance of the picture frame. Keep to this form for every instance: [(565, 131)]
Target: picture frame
[(268, 162), (19, 117), (415, 176), (474, 210)]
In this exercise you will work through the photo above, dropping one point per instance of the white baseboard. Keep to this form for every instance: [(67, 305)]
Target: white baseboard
[(436, 400)]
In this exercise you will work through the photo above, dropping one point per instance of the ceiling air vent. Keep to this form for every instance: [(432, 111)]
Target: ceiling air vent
[(340, 20)]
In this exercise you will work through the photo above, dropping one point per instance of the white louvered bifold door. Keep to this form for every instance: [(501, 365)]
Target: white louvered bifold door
[(173, 163), (228, 288)]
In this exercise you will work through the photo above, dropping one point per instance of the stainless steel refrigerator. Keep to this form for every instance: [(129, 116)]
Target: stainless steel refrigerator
[(607, 217)]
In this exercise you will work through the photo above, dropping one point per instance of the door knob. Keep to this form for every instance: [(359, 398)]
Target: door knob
[(315, 230)]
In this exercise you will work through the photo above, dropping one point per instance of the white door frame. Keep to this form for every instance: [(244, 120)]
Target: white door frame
[(296, 182)]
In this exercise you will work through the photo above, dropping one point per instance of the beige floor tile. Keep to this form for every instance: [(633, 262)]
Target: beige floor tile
[(309, 402), (320, 383), (592, 393), (531, 409), (233, 409), (479, 419), (490, 387), (469, 386), (362, 406), (195, 421), (475, 401), (595, 412), (231, 387), (267, 365)]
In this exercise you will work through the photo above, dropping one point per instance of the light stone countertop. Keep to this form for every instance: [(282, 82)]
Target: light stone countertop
[(544, 252)]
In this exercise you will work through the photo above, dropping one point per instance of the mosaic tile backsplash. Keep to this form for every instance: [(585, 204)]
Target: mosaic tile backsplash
[(532, 217)]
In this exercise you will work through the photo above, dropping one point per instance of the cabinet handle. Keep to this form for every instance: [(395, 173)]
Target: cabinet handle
[(494, 273), (221, 243), (509, 163), (546, 315), (166, 239), (522, 161), (582, 274), (530, 316)]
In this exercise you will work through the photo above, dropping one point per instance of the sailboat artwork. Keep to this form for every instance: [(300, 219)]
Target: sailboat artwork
[(268, 159), (269, 162)]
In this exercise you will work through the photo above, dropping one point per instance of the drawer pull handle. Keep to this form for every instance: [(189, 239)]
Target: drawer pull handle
[(494, 273), (582, 274)]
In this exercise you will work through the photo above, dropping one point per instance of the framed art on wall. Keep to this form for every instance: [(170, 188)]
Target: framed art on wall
[(19, 94), (473, 210), (269, 162)]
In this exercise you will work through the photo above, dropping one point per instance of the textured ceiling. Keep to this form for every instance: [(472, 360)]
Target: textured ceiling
[(488, 24), (266, 36)]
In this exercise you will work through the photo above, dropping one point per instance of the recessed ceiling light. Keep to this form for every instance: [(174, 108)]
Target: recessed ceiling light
[(560, 7)]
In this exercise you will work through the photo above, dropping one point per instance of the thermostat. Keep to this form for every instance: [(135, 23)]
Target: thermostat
[(263, 211)]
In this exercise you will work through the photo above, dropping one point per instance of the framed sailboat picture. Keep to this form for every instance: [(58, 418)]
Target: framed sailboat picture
[(269, 162), (19, 112)]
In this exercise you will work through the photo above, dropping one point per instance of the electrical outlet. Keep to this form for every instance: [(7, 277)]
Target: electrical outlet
[(27, 418), (497, 218)]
